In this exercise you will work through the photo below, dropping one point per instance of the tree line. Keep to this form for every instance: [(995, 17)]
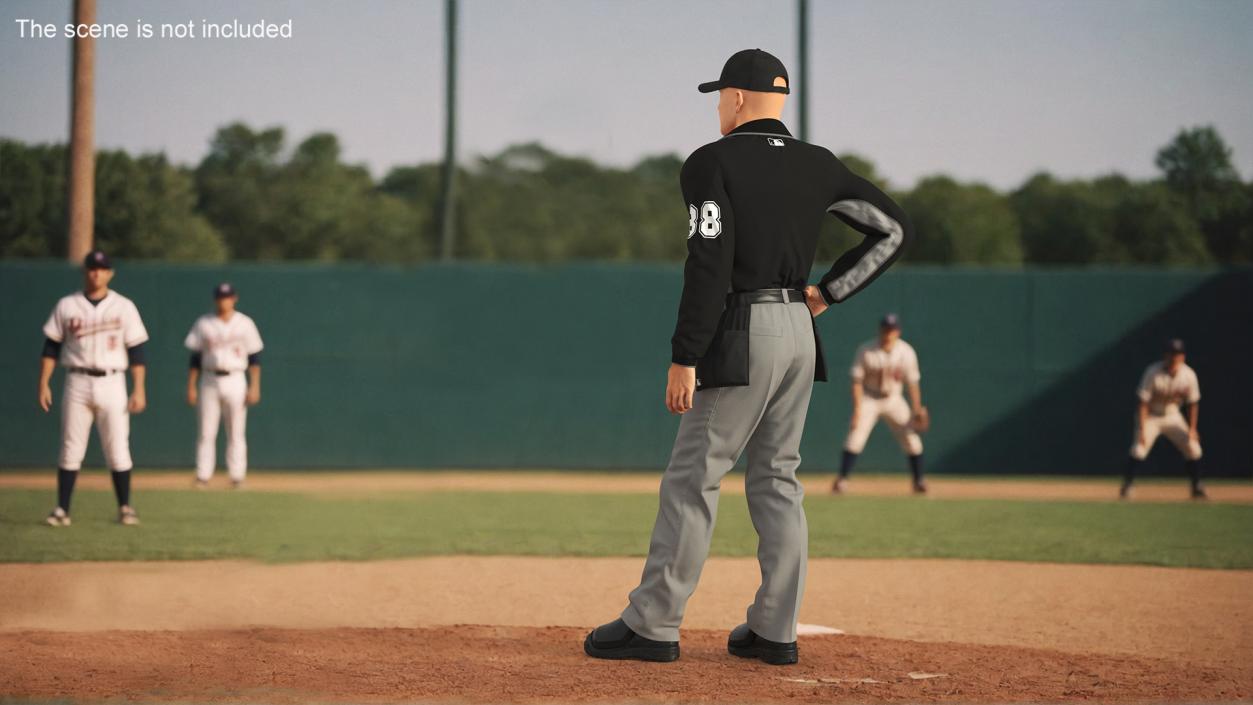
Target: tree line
[(253, 198)]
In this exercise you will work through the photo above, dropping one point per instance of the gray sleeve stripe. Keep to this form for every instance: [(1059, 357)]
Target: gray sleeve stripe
[(867, 214)]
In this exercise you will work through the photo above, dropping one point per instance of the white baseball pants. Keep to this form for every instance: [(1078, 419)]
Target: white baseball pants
[(1172, 425), (895, 412), (221, 399), (100, 399)]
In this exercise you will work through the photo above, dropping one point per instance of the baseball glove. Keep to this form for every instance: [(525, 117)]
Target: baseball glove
[(921, 421)]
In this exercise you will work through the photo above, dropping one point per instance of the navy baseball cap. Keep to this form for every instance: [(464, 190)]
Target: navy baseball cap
[(97, 259), (1175, 347), (223, 291), (890, 320), (752, 70)]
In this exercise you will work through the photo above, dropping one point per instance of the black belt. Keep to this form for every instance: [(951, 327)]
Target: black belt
[(90, 372), (765, 296), (223, 373)]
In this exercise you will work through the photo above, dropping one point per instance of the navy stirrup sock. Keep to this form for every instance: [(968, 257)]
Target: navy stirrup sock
[(915, 467), (1130, 475), (846, 463), (65, 488), (122, 487)]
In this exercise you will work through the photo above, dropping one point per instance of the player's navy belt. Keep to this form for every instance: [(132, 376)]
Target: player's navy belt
[(765, 296), (225, 373), (90, 372)]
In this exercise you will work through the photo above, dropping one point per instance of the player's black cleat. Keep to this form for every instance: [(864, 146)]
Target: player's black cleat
[(618, 642), (920, 487), (1198, 492), (1125, 492), (745, 643)]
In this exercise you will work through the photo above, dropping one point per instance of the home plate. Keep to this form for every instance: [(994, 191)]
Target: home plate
[(816, 630)]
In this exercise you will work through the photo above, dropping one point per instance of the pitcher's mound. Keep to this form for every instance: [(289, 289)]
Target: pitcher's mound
[(480, 664)]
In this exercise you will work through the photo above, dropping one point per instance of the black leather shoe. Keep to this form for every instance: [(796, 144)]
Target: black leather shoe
[(746, 644), (617, 641)]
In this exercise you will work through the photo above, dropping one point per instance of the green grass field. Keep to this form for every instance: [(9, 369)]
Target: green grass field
[(269, 526)]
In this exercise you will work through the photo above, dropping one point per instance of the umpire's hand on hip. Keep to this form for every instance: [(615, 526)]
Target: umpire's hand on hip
[(814, 300), (680, 386)]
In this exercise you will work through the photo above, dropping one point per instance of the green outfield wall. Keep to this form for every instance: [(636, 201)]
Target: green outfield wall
[(564, 366)]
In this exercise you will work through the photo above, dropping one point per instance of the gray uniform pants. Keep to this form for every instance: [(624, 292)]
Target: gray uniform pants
[(766, 419)]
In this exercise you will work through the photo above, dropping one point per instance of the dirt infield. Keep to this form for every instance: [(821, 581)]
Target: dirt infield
[(403, 630), (392, 631), (1061, 489), (515, 664), (1181, 614)]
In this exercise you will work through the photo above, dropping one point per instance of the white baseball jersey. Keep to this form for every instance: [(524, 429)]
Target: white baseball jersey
[(1164, 392), (224, 344), (883, 372), (95, 336)]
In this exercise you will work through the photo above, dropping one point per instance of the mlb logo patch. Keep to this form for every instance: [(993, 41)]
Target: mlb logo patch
[(774, 142)]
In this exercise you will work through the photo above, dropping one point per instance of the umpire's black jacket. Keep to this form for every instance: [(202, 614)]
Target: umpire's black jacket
[(756, 199)]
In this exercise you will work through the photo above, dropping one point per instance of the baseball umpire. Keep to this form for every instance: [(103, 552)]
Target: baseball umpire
[(745, 355), (97, 335)]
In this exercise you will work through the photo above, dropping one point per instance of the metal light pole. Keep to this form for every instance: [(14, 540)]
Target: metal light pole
[(448, 199), (82, 186)]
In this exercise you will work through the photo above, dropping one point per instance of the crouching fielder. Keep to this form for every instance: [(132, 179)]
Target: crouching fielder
[(223, 344), (880, 369), (1164, 388)]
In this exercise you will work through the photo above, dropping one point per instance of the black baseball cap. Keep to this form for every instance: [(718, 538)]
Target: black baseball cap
[(223, 291), (752, 70), (97, 259), (890, 320), (1175, 347)]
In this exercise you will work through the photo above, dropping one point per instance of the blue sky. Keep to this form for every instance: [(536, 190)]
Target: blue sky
[(988, 90)]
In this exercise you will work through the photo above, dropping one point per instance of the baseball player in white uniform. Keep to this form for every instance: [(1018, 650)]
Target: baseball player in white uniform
[(97, 335), (1165, 387), (224, 346), (881, 369)]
